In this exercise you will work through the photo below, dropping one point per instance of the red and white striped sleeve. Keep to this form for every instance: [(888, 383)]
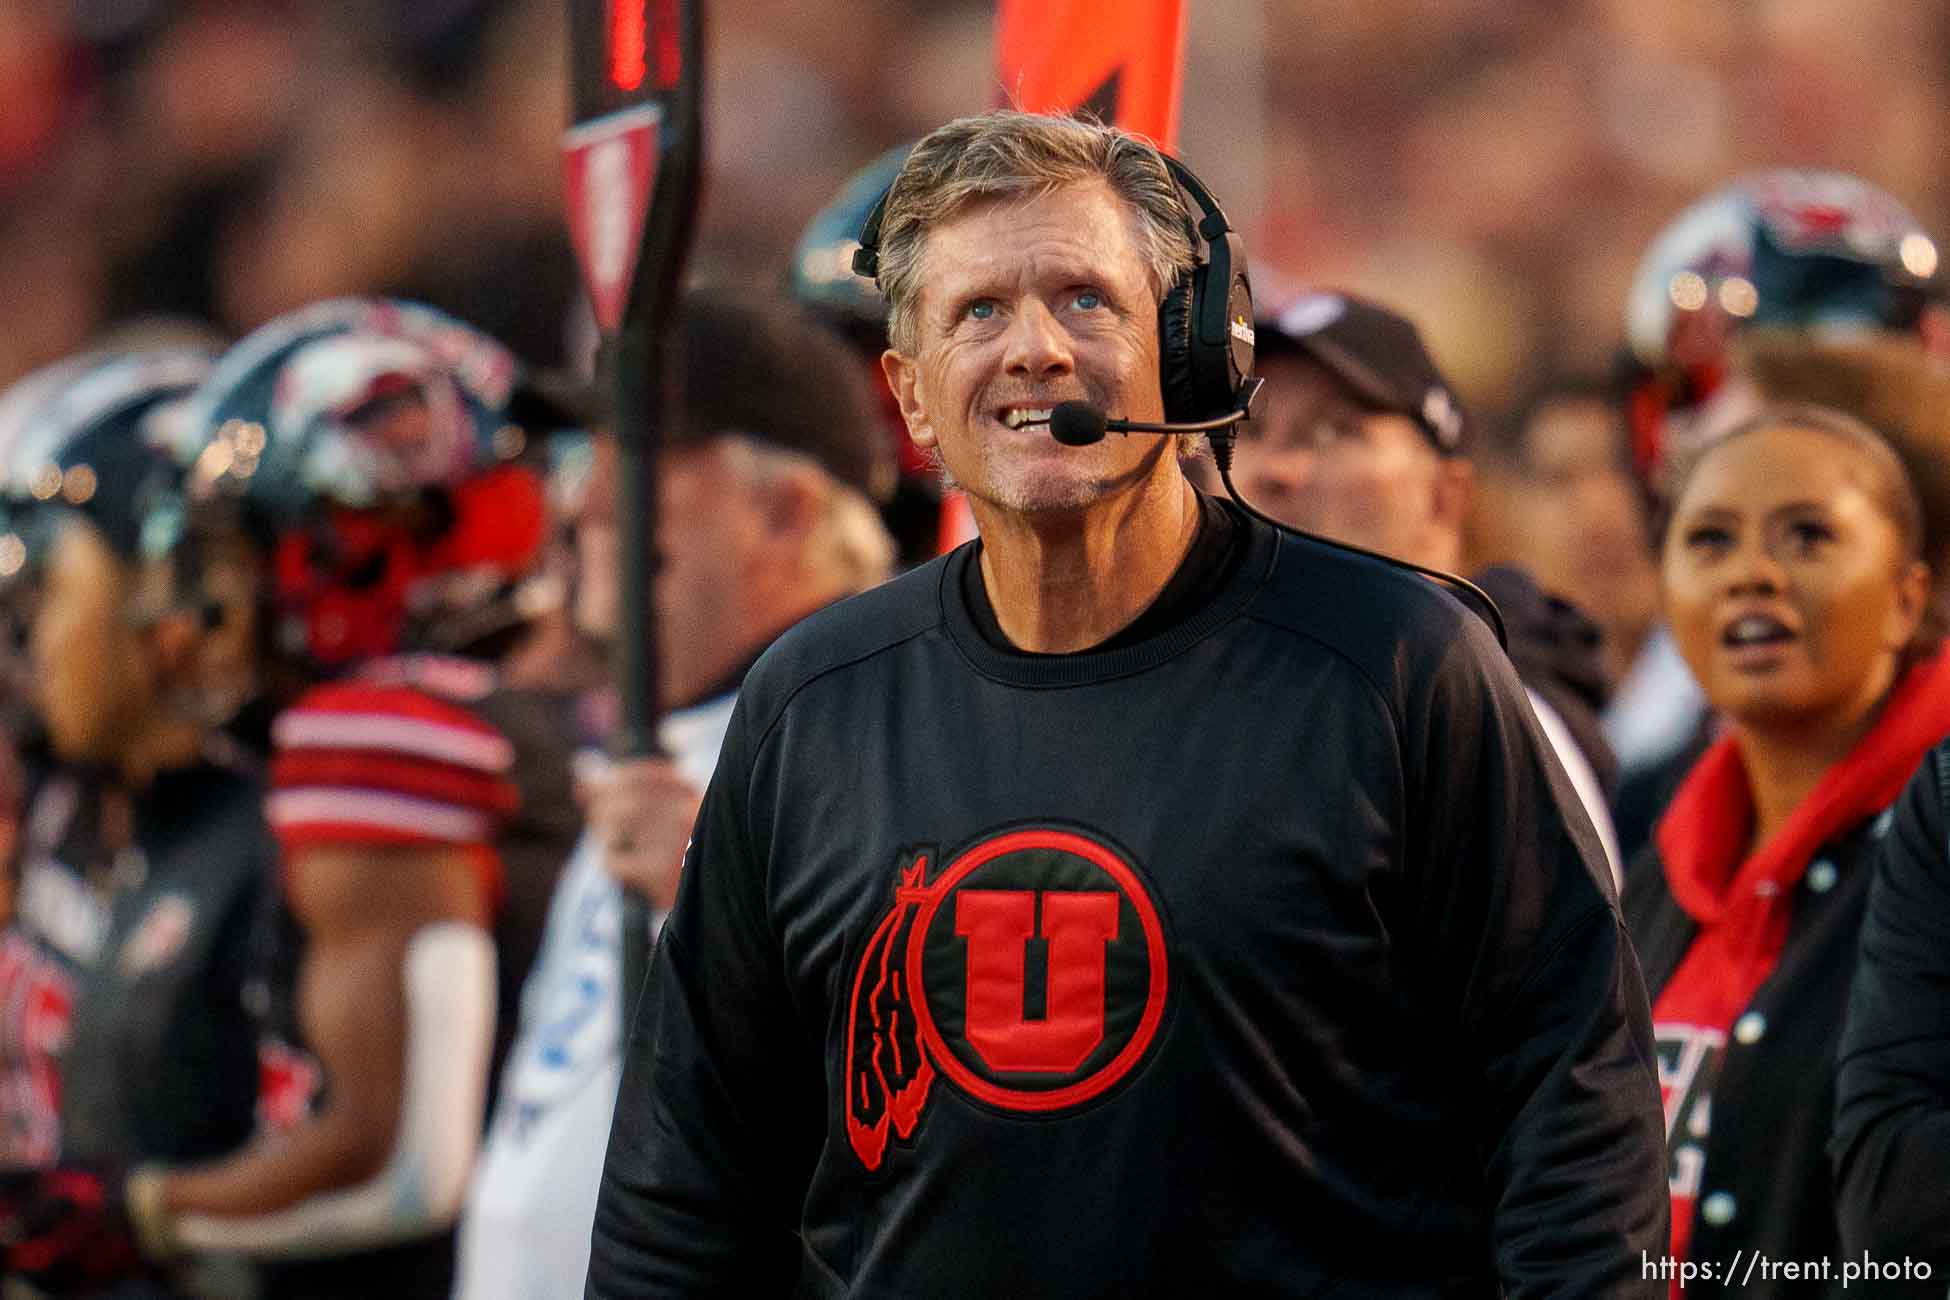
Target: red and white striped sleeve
[(364, 763)]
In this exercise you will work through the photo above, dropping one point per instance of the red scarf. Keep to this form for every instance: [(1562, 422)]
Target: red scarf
[(1743, 905)]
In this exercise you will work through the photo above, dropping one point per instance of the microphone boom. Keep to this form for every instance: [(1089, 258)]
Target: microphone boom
[(1078, 424)]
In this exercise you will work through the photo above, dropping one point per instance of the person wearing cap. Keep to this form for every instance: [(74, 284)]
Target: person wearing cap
[(1362, 437), (765, 515), (1364, 441)]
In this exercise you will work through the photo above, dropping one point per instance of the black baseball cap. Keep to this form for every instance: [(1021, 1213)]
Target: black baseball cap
[(1378, 355), (756, 365)]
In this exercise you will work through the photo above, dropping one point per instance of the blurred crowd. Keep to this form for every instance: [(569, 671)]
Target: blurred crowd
[(1494, 168), (309, 541)]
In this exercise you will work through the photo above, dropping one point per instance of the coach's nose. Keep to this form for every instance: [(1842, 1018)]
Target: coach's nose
[(1037, 346)]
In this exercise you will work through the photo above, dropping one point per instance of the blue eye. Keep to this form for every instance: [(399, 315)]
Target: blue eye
[(983, 310), (1090, 300)]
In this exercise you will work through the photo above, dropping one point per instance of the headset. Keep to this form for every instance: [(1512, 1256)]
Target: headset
[(1205, 362), (1205, 322)]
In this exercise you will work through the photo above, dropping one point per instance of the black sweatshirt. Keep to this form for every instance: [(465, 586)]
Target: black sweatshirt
[(1266, 953)]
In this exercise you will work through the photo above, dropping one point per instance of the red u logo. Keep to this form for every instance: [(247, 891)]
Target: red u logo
[(998, 924), (1049, 959)]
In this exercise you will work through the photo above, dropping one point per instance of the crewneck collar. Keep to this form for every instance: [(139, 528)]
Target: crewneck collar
[(1019, 668)]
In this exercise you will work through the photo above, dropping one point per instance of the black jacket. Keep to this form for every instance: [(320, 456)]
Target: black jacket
[(1773, 1100), (1257, 958), (1891, 1144)]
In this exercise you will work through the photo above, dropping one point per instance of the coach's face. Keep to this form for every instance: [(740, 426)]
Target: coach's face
[(1025, 303)]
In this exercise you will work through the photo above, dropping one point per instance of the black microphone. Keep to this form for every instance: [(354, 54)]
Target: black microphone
[(1078, 424)]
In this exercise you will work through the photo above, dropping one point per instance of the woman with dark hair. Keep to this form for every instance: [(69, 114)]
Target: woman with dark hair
[(1797, 588)]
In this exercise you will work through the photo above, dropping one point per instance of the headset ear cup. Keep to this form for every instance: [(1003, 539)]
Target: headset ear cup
[(1177, 349), (1240, 343), (1205, 322), (1223, 311)]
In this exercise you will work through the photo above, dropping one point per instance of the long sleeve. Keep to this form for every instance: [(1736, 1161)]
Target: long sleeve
[(718, 1118), (1551, 999), (1575, 1144), (1891, 1146)]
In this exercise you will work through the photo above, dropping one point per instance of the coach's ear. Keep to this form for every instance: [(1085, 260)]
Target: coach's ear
[(904, 379)]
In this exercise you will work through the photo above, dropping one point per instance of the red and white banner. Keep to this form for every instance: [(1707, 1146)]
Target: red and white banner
[(1121, 59), (609, 166)]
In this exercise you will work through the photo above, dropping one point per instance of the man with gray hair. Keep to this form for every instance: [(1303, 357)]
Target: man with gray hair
[(1136, 901)]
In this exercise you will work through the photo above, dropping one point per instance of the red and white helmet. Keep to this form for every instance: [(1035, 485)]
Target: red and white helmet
[(369, 446), (1787, 249)]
